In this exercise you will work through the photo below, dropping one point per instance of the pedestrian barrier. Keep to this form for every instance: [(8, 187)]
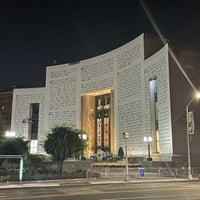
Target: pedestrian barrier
[(141, 172)]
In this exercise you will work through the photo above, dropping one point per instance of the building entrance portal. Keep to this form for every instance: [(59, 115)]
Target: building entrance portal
[(102, 123), (97, 120)]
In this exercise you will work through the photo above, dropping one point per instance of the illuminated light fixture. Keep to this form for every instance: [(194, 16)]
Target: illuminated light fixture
[(198, 95), (147, 139), (10, 133)]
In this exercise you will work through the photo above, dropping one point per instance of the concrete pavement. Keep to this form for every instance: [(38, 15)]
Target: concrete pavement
[(79, 182)]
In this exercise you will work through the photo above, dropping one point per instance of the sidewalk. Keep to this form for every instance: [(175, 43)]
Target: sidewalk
[(145, 180), (81, 182)]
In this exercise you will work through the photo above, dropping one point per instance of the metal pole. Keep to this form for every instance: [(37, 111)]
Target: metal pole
[(123, 117), (188, 145), (21, 170), (126, 159), (189, 137), (126, 168), (82, 146), (149, 150)]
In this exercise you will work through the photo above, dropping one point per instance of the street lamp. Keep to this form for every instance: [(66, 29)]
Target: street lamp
[(188, 136), (148, 139), (10, 133), (83, 137), (125, 135)]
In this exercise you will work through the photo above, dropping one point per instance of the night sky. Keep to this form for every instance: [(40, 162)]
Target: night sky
[(37, 33)]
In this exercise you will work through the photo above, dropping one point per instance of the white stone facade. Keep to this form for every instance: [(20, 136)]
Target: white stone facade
[(122, 70)]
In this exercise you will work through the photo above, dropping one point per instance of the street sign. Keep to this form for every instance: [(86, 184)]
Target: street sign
[(141, 172)]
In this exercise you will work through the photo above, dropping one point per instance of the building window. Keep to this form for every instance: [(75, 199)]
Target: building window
[(34, 115), (33, 147), (154, 114), (102, 133)]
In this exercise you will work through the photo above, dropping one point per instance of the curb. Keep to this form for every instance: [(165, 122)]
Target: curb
[(82, 182)]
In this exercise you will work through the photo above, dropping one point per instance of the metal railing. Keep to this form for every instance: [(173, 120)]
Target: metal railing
[(157, 172)]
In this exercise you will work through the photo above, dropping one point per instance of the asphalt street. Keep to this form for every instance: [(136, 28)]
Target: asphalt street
[(109, 191)]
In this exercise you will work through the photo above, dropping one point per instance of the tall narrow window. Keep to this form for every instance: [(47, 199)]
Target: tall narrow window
[(154, 114), (102, 135), (34, 115)]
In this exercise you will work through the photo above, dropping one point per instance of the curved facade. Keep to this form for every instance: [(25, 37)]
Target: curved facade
[(107, 95)]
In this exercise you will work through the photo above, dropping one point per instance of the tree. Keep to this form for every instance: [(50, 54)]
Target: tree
[(120, 152), (64, 142), (13, 146)]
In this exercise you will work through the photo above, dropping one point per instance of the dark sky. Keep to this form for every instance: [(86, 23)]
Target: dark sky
[(35, 33)]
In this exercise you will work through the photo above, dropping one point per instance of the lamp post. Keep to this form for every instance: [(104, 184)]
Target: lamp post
[(125, 135), (10, 133), (83, 138), (148, 139), (188, 136)]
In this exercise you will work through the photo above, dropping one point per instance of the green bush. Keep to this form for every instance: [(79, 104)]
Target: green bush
[(121, 152)]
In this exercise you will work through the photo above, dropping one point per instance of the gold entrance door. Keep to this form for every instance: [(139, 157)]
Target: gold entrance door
[(102, 122)]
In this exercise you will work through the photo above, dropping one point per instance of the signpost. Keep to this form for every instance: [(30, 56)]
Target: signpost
[(141, 172)]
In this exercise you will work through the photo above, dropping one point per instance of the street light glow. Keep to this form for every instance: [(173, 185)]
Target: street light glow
[(147, 139), (10, 133), (84, 136), (198, 95)]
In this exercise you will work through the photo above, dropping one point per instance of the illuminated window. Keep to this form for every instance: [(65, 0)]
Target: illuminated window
[(33, 147), (154, 114), (102, 122)]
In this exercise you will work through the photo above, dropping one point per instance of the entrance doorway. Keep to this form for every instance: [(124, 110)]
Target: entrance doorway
[(102, 123), (97, 119)]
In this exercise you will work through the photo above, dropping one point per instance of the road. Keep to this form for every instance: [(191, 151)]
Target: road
[(129, 191)]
